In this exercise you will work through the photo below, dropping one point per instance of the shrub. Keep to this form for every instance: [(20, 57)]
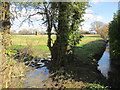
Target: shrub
[(115, 37)]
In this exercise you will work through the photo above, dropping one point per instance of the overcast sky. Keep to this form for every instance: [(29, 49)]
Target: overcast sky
[(99, 11)]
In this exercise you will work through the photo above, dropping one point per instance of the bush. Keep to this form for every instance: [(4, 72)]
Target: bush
[(115, 37)]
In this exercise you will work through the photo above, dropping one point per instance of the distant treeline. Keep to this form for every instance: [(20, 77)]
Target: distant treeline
[(35, 32), (28, 32)]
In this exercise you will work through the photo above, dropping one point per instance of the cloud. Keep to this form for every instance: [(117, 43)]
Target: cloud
[(91, 17), (99, 18), (36, 17), (96, 1), (88, 17), (89, 11), (86, 27)]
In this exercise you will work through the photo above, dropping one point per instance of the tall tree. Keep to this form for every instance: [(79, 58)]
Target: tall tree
[(96, 26), (65, 17)]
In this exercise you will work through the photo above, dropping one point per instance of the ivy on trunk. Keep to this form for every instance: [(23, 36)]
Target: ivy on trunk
[(65, 18)]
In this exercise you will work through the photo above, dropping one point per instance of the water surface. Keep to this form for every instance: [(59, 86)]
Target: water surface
[(36, 77), (104, 62)]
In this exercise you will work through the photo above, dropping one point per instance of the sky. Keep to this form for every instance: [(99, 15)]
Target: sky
[(99, 11)]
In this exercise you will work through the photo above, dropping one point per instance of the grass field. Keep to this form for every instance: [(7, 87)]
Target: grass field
[(30, 39), (42, 39), (38, 44)]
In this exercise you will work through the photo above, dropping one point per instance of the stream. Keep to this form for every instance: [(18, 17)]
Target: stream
[(39, 73), (36, 76), (104, 63)]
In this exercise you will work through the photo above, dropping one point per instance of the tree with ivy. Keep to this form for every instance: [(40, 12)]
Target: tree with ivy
[(65, 17)]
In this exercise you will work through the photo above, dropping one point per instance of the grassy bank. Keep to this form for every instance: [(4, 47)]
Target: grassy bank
[(91, 50)]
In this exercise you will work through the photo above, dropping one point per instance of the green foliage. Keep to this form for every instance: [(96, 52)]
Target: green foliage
[(10, 53), (78, 11), (69, 85), (114, 35), (95, 87)]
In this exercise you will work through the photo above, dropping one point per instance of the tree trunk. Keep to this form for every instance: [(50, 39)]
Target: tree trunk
[(6, 24), (59, 50)]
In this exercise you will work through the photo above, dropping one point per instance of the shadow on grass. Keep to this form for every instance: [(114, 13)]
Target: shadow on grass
[(83, 68)]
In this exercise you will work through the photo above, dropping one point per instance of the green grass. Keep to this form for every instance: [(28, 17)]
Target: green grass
[(89, 50), (88, 38), (39, 47), (30, 39), (38, 44), (37, 50)]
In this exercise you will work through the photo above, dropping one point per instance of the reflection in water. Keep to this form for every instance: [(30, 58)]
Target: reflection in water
[(107, 65), (35, 78), (104, 63)]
